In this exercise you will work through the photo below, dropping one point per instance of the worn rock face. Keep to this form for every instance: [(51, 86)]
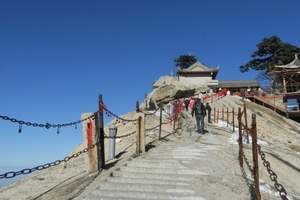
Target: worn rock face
[(165, 80), (167, 88)]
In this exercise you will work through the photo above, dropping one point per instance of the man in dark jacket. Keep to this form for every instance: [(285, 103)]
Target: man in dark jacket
[(186, 104), (208, 109), (199, 111)]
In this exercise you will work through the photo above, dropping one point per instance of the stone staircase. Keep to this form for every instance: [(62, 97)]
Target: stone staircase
[(162, 173), (191, 167)]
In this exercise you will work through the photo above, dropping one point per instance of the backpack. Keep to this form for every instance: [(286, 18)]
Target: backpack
[(200, 109)]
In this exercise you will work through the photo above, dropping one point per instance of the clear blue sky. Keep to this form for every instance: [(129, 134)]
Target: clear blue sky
[(56, 57)]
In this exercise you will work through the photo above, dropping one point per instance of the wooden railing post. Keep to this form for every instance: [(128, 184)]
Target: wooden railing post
[(246, 123), (227, 118), (160, 121), (214, 115), (240, 138), (99, 122), (175, 116), (255, 157), (140, 134), (222, 113), (233, 123)]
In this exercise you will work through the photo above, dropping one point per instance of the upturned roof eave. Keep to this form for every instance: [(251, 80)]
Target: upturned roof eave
[(295, 64), (197, 72)]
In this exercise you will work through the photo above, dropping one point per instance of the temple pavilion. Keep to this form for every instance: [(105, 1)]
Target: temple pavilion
[(198, 74), (286, 78)]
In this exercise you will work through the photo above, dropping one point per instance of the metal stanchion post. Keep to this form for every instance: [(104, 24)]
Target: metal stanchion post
[(112, 143)]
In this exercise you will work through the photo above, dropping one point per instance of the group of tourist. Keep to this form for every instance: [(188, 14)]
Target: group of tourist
[(196, 108)]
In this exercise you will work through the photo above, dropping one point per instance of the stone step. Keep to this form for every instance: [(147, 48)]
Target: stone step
[(119, 198), (169, 144), (190, 149), (198, 150), (168, 177), (136, 187), (175, 158), (179, 146), (174, 195), (93, 197), (147, 160), (156, 165), (176, 148), (148, 181), (194, 150), (162, 171), (177, 154)]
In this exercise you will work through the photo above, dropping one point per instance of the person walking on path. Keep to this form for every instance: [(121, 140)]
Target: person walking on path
[(186, 104), (191, 104), (208, 111), (199, 111)]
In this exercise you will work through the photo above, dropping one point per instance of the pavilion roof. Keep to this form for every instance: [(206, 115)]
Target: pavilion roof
[(198, 67), (295, 64)]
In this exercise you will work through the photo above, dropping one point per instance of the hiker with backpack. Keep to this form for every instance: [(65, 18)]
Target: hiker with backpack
[(200, 112)]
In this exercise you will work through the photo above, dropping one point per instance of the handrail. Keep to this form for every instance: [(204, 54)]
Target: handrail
[(245, 131)]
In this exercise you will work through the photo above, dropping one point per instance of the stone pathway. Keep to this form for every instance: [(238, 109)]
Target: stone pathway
[(186, 167)]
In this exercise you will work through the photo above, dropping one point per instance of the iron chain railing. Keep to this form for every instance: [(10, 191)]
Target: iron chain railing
[(152, 128), (245, 131), (13, 174), (273, 176), (43, 125), (256, 150), (110, 113), (100, 135), (248, 164)]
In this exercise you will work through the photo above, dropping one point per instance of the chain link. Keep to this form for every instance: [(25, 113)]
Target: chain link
[(12, 174), (153, 128), (248, 164), (273, 176), (45, 125), (110, 113)]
